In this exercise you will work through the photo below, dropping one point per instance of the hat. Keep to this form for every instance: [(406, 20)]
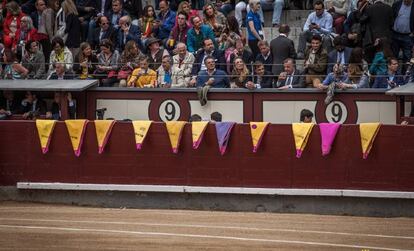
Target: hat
[(151, 41)]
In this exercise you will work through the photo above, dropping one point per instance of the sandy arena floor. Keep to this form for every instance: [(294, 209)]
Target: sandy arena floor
[(26, 226)]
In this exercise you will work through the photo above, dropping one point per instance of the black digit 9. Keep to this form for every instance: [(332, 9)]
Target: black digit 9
[(336, 112), (170, 111)]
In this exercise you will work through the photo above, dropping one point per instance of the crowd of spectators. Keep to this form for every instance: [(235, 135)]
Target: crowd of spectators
[(344, 43)]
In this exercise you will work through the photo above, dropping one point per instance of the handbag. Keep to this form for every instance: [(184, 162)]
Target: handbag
[(61, 33)]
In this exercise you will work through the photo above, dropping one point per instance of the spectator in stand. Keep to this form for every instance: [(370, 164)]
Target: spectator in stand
[(13, 69), (261, 77), (179, 32), (86, 10), (334, 80), (316, 60), (129, 60), (282, 47), (39, 22), (197, 34), (9, 105), (339, 11), (182, 67), (215, 19), (353, 30), (164, 73), (357, 71), (378, 19), (23, 35), (383, 51), (392, 78), (240, 76), (127, 32), (155, 53), (102, 8), (143, 77), (339, 55), (134, 9), (213, 77), (107, 67), (55, 112), (216, 117), (32, 106), (275, 5), (208, 50), (72, 26), (403, 28), (60, 73), (11, 23), (34, 60), (254, 26), (165, 21), (116, 13), (225, 6), (227, 40), (185, 7), (48, 19), (243, 52), (318, 22), (290, 77), (265, 55), (60, 54), (146, 22), (104, 31), (85, 62)]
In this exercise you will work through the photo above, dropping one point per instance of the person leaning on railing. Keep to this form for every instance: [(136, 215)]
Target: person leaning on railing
[(261, 77), (13, 69), (107, 67), (85, 62), (143, 77), (34, 60), (240, 76), (60, 53)]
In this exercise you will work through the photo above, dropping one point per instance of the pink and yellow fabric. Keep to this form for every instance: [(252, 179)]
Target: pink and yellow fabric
[(328, 134), (45, 131), (257, 130), (175, 131), (76, 129), (301, 132), (368, 133), (197, 130), (141, 129), (103, 132), (223, 130)]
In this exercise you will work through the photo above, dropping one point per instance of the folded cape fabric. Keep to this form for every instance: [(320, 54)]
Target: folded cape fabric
[(45, 130), (301, 132), (103, 132), (197, 130), (175, 130), (257, 130), (76, 129), (223, 130), (368, 133), (328, 134), (141, 129)]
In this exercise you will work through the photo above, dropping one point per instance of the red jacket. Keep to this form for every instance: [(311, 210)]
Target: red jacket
[(8, 41)]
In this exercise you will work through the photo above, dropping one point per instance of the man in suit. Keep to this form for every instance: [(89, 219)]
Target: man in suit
[(9, 105), (128, 31), (208, 50), (115, 14), (340, 55), (59, 73), (281, 48), (104, 31), (291, 77), (32, 106), (265, 55)]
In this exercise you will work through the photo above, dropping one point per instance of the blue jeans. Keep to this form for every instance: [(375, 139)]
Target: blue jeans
[(275, 5), (404, 43)]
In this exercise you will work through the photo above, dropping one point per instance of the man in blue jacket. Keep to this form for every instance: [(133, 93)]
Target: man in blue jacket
[(211, 76), (165, 21), (392, 78)]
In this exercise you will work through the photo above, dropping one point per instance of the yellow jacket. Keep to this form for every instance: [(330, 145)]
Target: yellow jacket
[(148, 79)]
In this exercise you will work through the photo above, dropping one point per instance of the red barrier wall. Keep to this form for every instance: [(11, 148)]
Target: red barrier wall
[(388, 167)]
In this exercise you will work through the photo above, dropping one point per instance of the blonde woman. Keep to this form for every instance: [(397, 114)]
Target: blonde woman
[(72, 26), (240, 76)]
